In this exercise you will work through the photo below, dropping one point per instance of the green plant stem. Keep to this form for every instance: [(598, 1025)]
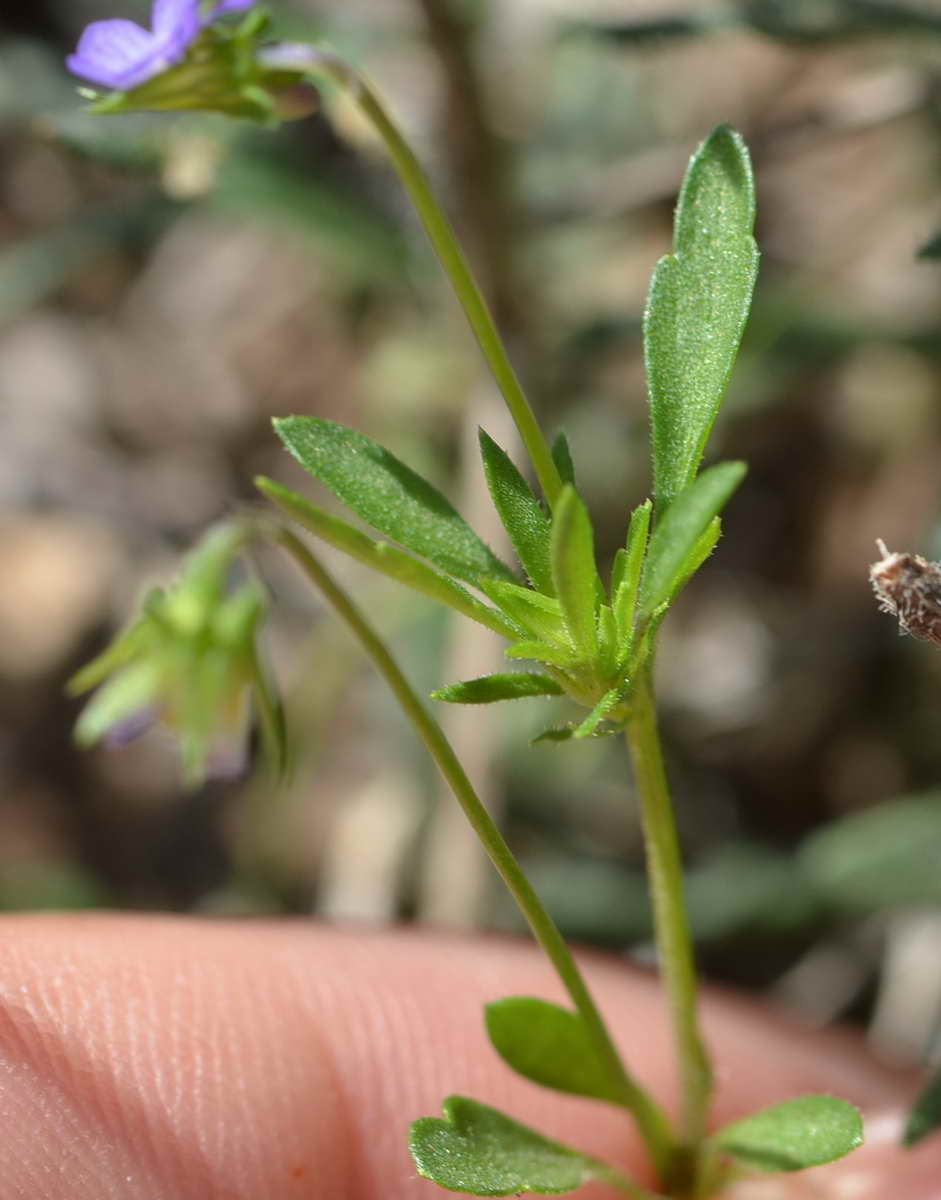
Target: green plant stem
[(674, 944), (458, 270), (651, 1120)]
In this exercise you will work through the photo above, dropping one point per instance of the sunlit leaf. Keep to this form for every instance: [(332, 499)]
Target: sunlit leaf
[(697, 307), (490, 688), (552, 656), (478, 1150), (522, 515), (799, 1133), (574, 571), (530, 610), (382, 557), (625, 578), (676, 537), (389, 496)]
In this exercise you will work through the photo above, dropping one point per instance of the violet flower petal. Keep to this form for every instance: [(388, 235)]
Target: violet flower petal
[(120, 54), (111, 52), (176, 19)]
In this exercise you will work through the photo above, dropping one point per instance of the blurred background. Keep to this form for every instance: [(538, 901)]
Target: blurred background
[(169, 284)]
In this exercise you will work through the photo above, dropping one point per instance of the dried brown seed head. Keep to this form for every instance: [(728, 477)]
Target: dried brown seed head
[(909, 587)]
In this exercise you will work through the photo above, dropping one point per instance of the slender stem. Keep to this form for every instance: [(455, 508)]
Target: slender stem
[(650, 1119), (674, 945), (458, 269)]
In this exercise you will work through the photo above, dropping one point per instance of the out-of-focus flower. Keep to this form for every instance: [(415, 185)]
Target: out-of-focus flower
[(190, 661), (121, 55), (191, 59)]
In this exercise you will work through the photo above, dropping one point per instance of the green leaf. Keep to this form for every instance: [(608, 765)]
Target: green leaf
[(883, 857), (562, 457), (704, 546), (558, 733), (530, 610), (697, 307), (608, 701), (490, 688), (389, 496), (608, 642), (925, 1116), (551, 1046), (799, 1133), (565, 733), (479, 1150), (382, 557), (676, 537), (574, 571), (552, 656), (521, 513), (628, 564)]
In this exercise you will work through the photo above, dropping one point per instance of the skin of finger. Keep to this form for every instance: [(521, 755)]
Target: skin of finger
[(174, 1059)]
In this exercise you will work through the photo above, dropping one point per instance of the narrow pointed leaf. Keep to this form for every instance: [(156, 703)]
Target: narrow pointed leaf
[(628, 565), (561, 733), (608, 641), (551, 1046), (574, 571), (925, 1117), (521, 513), (477, 1149), (382, 557), (390, 496), (552, 656), (539, 614), (704, 546), (565, 733), (676, 536), (562, 457), (490, 688), (799, 1133), (697, 307), (608, 701)]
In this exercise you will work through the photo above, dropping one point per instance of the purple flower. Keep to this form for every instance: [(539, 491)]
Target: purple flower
[(121, 55)]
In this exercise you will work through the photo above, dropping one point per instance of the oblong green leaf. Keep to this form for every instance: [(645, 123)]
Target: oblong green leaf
[(608, 642), (522, 515), (382, 557), (925, 1116), (552, 656), (490, 688), (551, 1046), (574, 571), (539, 614), (676, 537), (697, 307), (628, 565), (806, 1132), (477, 1149), (390, 496)]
